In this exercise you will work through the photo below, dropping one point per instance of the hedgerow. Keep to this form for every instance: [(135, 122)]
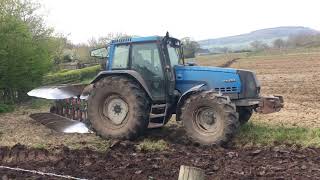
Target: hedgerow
[(72, 76)]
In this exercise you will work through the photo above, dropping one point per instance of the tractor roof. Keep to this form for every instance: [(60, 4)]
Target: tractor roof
[(136, 39)]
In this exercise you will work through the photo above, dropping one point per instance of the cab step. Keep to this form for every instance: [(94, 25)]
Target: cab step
[(157, 115)]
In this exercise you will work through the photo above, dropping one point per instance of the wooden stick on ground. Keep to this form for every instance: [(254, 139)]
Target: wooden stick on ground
[(190, 173)]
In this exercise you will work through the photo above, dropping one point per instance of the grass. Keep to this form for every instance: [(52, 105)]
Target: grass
[(86, 81), (148, 145), (273, 52), (5, 108), (97, 144), (40, 146), (18, 129), (259, 134), (37, 103)]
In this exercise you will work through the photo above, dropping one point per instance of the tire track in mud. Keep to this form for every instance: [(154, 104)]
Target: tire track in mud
[(123, 161), (229, 63)]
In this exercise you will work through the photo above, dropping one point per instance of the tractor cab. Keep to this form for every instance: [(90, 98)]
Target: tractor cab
[(153, 58), (150, 61)]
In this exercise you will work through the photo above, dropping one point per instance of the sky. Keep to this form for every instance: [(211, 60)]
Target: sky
[(199, 19)]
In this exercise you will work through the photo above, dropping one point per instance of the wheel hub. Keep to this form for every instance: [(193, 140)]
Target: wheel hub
[(116, 110), (206, 119)]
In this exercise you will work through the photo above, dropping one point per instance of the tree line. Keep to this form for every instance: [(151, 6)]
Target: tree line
[(26, 49), (297, 41), (29, 49)]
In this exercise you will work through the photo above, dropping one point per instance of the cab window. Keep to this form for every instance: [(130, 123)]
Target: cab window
[(121, 57), (173, 55)]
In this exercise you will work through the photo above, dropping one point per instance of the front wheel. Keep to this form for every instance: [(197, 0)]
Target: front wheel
[(209, 118)]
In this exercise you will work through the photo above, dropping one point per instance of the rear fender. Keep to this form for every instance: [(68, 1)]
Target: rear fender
[(185, 96), (129, 73)]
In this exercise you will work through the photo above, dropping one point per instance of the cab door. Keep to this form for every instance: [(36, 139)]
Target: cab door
[(145, 59), (172, 60)]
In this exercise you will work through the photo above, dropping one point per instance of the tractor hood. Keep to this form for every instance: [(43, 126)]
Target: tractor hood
[(225, 80), (234, 82)]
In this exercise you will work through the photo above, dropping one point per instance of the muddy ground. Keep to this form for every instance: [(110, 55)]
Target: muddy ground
[(124, 161)]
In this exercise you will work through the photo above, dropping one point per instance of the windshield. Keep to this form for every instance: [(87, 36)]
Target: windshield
[(174, 55)]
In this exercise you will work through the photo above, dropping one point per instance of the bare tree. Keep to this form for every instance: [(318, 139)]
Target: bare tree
[(190, 47), (259, 45), (279, 43), (304, 40), (102, 41)]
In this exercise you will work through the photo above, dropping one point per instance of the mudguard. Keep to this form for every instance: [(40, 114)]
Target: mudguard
[(130, 73), (184, 96)]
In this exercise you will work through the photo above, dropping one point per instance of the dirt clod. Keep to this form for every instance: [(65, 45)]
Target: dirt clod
[(253, 153)]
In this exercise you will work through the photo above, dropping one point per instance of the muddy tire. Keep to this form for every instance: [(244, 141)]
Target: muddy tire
[(118, 108), (245, 114), (209, 118)]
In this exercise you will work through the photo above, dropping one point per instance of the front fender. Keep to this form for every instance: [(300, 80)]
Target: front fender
[(184, 96)]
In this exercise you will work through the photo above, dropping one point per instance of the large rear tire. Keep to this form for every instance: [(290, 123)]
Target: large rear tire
[(209, 118), (118, 108)]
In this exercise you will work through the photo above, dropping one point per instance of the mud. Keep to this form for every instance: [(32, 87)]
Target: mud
[(124, 161)]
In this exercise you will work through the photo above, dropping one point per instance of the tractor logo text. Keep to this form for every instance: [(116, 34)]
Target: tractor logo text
[(229, 80)]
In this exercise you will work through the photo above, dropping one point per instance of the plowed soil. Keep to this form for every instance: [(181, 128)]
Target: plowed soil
[(294, 76), (123, 161)]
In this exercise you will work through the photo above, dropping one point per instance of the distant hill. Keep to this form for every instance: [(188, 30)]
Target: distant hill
[(266, 35)]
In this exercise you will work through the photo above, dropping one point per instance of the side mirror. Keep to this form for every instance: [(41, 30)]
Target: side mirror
[(100, 53)]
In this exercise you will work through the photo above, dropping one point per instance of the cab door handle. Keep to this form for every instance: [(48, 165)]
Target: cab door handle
[(167, 68)]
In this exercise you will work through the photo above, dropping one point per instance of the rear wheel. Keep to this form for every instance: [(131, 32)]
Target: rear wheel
[(209, 118), (245, 114), (119, 108)]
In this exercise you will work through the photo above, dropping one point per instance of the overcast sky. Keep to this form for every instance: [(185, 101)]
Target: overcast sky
[(200, 19)]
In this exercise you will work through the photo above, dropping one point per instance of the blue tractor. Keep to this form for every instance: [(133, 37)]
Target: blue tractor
[(145, 80)]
